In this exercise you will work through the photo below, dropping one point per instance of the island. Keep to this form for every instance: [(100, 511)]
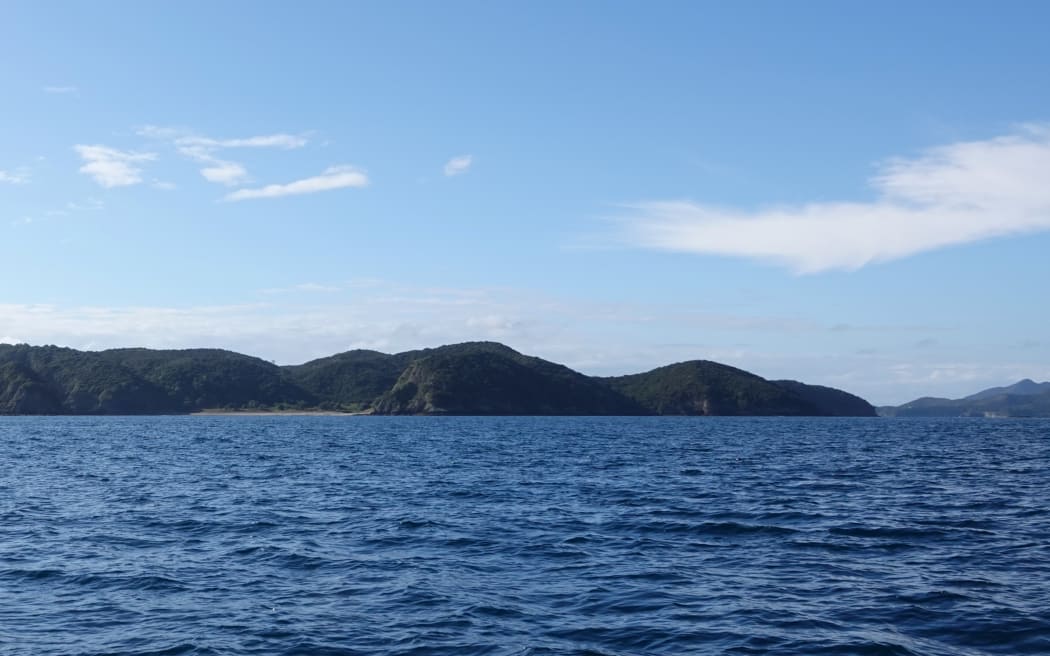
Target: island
[(473, 378)]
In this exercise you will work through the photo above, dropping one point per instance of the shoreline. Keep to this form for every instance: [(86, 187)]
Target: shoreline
[(271, 413)]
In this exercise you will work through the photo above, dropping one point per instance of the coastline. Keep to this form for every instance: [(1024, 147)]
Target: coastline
[(270, 413)]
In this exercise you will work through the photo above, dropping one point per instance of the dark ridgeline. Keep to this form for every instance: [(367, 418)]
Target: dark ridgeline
[(475, 378), (1024, 398)]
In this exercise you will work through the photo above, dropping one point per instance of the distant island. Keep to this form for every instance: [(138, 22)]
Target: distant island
[(1025, 398), (474, 378)]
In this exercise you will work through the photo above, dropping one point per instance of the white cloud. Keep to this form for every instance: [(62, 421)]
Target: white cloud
[(227, 173), (60, 89), (953, 194), (309, 287), (16, 177), (336, 177), (186, 138), (458, 165), (111, 167), (286, 141), (88, 205), (216, 170), (205, 150), (164, 185), (162, 133)]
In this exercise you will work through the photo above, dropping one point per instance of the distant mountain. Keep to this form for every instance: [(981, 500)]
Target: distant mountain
[(476, 378), (1025, 398), (1026, 387)]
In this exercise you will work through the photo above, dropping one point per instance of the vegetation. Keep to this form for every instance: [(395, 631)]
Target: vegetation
[(491, 379), (482, 378), (54, 380), (829, 401), (351, 380), (700, 387)]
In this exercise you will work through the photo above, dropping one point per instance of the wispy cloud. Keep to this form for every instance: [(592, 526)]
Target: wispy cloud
[(60, 89), (205, 150), (458, 165), (308, 287), (336, 177), (17, 177), (224, 172), (286, 141), (88, 205), (952, 194), (110, 167)]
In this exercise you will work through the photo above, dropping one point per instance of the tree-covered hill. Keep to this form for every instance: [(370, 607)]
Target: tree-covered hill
[(55, 380), (350, 380), (829, 401), (701, 387), (491, 379), (194, 379), (481, 378)]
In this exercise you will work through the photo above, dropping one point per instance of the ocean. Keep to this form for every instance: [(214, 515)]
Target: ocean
[(523, 535)]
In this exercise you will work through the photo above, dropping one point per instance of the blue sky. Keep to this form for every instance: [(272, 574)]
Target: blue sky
[(852, 194)]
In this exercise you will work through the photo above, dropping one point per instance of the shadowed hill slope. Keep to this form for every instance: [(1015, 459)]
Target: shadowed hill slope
[(829, 401)]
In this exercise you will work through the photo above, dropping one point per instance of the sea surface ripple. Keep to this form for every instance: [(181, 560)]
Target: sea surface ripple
[(525, 536)]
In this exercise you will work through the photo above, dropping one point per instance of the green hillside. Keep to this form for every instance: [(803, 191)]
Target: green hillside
[(350, 380), (491, 379), (829, 401), (54, 380), (701, 387)]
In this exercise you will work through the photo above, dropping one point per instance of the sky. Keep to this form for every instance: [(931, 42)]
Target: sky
[(849, 194)]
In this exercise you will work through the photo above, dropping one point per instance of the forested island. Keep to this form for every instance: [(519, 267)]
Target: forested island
[(474, 378)]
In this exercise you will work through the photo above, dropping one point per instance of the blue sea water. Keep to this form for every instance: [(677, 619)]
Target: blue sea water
[(378, 535)]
